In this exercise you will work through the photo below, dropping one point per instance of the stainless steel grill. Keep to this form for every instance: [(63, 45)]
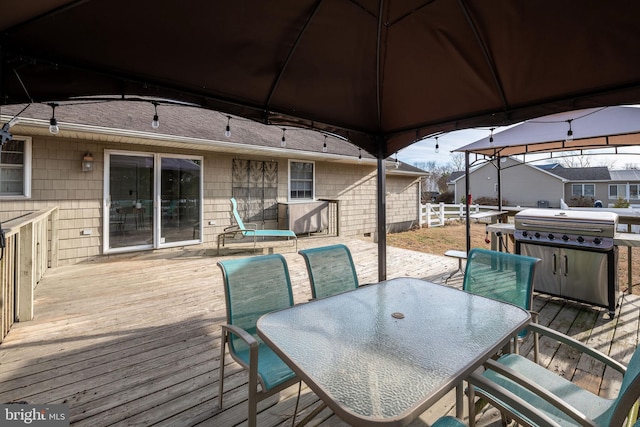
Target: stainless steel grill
[(578, 254)]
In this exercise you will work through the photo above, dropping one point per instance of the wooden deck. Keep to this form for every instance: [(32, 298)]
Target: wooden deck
[(134, 340)]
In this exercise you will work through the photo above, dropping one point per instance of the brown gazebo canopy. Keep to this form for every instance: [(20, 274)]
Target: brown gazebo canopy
[(382, 73)]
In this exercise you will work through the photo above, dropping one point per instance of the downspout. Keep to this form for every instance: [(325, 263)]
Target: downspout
[(382, 214)]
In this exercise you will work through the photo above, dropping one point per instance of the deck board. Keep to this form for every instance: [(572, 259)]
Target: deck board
[(134, 339)]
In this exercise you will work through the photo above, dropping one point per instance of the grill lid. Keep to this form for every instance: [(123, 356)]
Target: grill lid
[(578, 222)]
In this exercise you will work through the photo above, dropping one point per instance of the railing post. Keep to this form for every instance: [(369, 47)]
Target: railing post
[(55, 235), (25, 276), (441, 213)]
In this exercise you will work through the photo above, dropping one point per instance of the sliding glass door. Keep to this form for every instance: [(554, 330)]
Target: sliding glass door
[(180, 199), (151, 201)]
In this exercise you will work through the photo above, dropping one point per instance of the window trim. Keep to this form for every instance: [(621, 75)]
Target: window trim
[(582, 194), (27, 173), (627, 193), (313, 181)]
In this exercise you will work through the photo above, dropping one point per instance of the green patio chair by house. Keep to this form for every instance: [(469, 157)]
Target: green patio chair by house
[(331, 270), (563, 401), (254, 286), (242, 229), (502, 276)]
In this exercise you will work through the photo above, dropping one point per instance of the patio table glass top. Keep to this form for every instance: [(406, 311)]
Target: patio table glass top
[(383, 353)]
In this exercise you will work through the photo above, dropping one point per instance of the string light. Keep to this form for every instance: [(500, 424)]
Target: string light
[(324, 147), (155, 123), (227, 131), (569, 132), (397, 163), (491, 137), (437, 146), (359, 155), (283, 142), (53, 123)]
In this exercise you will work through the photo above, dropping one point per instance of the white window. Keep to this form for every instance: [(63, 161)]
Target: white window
[(301, 180), (15, 168), (586, 190), (619, 191)]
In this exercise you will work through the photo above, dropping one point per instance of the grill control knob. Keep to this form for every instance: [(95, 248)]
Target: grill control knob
[(525, 234), (551, 236), (580, 239), (537, 235), (565, 237), (597, 241)]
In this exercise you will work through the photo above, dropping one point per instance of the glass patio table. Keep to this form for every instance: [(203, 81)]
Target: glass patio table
[(382, 354)]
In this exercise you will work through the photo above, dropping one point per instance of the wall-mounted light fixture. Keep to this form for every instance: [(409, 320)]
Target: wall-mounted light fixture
[(87, 162)]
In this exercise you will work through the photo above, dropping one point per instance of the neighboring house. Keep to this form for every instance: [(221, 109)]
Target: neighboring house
[(625, 184), (528, 185), (151, 188)]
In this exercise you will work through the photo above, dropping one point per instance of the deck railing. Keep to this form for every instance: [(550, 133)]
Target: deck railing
[(31, 247)]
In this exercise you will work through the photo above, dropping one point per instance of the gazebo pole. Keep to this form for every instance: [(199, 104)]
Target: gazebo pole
[(382, 215), (466, 199)]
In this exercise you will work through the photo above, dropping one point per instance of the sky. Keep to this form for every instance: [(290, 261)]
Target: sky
[(424, 151)]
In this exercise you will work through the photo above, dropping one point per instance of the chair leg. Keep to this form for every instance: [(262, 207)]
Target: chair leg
[(223, 343), (472, 405), (253, 387)]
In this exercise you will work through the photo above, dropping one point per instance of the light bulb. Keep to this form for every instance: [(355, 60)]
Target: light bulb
[(324, 147), (53, 126), (53, 123), (227, 131), (359, 156), (155, 123), (437, 148), (283, 142), (569, 133)]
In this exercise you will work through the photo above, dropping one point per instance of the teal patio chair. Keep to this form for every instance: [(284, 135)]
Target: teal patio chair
[(502, 276), (242, 229), (254, 286), (330, 269), (566, 403), (502, 399)]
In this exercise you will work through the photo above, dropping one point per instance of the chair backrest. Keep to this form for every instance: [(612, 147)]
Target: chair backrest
[(330, 269), (254, 286), (500, 275), (236, 215)]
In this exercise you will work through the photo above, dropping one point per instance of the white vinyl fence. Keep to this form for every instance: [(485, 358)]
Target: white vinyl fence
[(435, 215)]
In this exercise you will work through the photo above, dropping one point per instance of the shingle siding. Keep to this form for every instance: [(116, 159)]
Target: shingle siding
[(57, 179)]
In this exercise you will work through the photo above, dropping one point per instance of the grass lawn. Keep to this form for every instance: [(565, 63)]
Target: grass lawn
[(438, 240)]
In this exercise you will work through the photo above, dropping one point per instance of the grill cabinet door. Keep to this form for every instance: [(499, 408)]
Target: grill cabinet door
[(584, 275), (547, 278)]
